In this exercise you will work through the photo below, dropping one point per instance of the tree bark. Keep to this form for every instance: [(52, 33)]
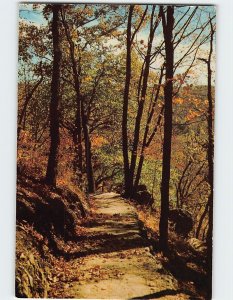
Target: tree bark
[(125, 105), (88, 154), (146, 143), (130, 37), (210, 158), (168, 23), (51, 173), (210, 155), (78, 116), (202, 219), (28, 98), (141, 102)]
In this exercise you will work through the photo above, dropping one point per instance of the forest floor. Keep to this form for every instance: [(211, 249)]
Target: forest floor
[(114, 259)]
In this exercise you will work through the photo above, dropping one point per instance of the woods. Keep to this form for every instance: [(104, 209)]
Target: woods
[(120, 99)]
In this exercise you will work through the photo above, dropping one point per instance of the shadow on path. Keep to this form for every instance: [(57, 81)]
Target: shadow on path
[(114, 227), (167, 292)]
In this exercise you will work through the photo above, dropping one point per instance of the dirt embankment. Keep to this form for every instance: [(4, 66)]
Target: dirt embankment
[(46, 219)]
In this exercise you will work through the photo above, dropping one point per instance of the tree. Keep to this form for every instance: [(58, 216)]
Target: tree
[(51, 173), (34, 73), (154, 21), (88, 154), (129, 42), (189, 182), (147, 140), (210, 156), (175, 34), (28, 97), (82, 61), (168, 23), (76, 69)]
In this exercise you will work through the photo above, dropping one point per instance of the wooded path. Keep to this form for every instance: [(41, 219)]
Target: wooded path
[(121, 265)]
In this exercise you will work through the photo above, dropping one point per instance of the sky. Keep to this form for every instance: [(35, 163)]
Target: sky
[(28, 13)]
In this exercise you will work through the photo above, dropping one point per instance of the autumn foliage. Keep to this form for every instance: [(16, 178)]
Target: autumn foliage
[(112, 98)]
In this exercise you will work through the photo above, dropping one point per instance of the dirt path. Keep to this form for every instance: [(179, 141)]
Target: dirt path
[(116, 262)]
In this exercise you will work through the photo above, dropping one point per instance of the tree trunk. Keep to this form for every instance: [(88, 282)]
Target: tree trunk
[(168, 23), (141, 105), (146, 143), (28, 98), (202, 219), (88, 154), (210, 155), (125, 105), (78, 117), (51, 173), (78, 139)]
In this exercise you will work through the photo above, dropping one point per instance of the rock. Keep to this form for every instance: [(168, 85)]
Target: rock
[(142, 196), (182, 221)]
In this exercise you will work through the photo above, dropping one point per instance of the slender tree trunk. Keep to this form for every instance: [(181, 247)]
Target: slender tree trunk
[(51, 173), (146, 143), (204, 239), (210, 155), (138, 119), (154, 180), (78, 139), (202, 219), (130, 37), (168, 23), (88, 154), (28, 98), (125, 105), (78, 117), (177, 197), (142, 154), (141, 105)]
